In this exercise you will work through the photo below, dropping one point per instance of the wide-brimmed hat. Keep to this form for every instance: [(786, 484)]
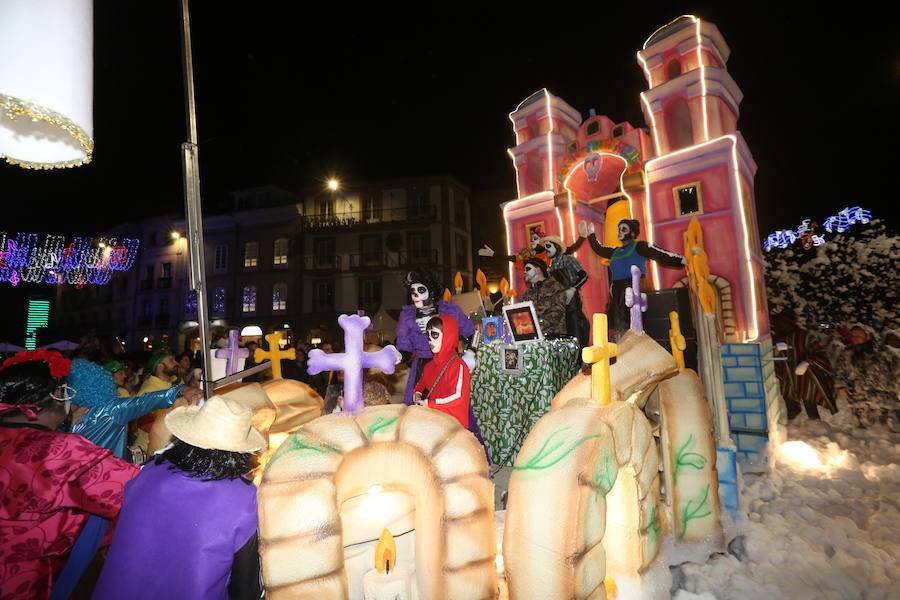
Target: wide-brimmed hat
[(556, 240), (219, 424)]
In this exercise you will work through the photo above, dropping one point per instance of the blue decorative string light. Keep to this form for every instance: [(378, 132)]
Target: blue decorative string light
[(84, 260), (805, 233)]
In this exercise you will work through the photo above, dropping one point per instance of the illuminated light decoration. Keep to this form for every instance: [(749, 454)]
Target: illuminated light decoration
[(847, 217), (702, 79), (38, 317), (839, 223), (750, 282), (520, 209), (46, 89), (55, 262)]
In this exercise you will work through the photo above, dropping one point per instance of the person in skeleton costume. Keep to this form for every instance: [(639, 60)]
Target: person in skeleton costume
[(631, 252), (445, 383), (412, 342), (548, 297), (424, 294), (566, 269)]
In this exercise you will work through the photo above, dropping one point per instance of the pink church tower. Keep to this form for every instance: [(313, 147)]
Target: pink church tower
[(703, 168), (693, 163)]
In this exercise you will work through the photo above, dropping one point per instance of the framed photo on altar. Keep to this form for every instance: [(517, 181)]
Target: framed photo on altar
[(511, 359), (521, 319), (533, 229), (491, 329)]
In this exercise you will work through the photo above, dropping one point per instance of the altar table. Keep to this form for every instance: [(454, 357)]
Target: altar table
[(507, 405)]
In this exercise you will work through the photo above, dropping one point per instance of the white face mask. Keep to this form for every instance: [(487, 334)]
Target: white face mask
[(550, 248), (624, 232), (532, 274), (435, 337), (419, 295)]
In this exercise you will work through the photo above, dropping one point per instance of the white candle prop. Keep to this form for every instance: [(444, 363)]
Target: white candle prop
[(387, 581)]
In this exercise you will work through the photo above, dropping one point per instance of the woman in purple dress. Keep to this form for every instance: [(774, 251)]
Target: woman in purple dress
[(188, 526)]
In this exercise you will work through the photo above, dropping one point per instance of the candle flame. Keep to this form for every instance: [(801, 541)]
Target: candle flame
[(385, 552), (447, 295), (457, 282), (482, 283)]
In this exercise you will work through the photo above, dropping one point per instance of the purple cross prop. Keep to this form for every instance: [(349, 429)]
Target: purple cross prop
[(231, 353), (636, 300), (353, 360)]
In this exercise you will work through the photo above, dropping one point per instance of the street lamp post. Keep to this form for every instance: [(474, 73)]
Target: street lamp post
[(192, 210)]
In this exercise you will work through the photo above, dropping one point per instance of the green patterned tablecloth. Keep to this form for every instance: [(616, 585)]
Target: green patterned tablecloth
[(507, 406)]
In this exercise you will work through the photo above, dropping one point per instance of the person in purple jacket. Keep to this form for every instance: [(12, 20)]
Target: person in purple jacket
[(188, 527), (424, 294)]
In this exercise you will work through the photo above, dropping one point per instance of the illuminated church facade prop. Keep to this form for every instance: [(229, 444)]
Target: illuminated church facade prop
[(691, 161)]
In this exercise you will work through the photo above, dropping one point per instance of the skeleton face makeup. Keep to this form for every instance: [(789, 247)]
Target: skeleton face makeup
[(419, 295), (550, 248), (532, 274), (624, 232), (435, 338)]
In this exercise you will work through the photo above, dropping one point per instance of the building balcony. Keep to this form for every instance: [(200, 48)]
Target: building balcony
[(369, 261), (348, 220)]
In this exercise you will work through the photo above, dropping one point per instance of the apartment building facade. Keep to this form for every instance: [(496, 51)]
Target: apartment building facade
[(289, 262)]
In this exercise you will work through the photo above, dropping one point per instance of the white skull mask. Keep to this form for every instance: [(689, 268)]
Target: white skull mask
[(592, 166), (624, 232), (435, 338), (550, 248), (532, 273), (419, 295)]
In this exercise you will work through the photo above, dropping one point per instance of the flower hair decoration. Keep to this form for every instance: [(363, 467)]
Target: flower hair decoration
[(59, 364)]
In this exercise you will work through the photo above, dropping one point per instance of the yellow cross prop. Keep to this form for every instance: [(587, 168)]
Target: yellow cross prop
[(676, 339), (274, 354), (598, 355)]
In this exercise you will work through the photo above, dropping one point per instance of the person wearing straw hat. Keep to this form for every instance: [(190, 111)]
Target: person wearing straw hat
[(188, 526)]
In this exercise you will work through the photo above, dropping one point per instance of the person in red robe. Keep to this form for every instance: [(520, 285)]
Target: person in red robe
[(51, 481)]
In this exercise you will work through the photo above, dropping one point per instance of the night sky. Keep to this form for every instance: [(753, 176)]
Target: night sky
[(293, 96)]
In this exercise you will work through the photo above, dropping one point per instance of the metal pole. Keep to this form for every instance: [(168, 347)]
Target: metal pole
[(192, 204)]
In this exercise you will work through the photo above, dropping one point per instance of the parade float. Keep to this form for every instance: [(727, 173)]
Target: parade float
[(630, 468)]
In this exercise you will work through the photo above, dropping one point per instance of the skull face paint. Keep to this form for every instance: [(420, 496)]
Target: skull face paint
[(419, 295), (435, 338), (550, 248), (624, 232), (532, 273)]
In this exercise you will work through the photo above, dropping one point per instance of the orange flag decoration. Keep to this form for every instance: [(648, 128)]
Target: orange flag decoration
[(504, 288), (481, 280)]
